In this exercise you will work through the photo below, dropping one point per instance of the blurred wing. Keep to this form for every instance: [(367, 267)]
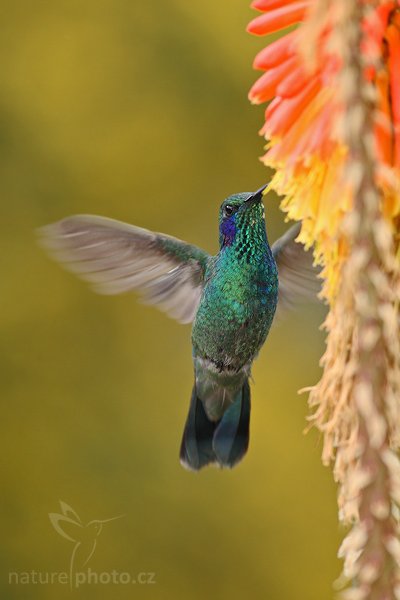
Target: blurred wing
[(116, 257), (298, 277)]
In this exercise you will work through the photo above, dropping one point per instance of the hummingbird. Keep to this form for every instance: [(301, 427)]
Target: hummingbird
[(231, 299)]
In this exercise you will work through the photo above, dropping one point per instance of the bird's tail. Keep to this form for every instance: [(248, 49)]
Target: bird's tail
[(223, 442)]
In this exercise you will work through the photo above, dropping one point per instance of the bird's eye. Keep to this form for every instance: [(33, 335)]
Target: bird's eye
[(229, 210)]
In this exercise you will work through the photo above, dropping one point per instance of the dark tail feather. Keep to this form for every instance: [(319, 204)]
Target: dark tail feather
[(224, 442), (231, 437), (196, 448)]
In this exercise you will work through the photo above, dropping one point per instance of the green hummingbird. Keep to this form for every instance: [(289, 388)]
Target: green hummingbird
[(231, 298)]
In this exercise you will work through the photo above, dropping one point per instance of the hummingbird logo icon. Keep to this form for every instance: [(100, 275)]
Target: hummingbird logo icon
[(83, 535)]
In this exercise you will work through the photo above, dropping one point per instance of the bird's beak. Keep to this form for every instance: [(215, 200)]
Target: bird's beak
[(256, 196)]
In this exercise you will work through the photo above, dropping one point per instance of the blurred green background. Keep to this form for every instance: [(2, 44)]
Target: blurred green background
[(139, 111)]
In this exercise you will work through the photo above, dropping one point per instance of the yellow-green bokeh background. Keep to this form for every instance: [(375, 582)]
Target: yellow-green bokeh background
[(138, 111)]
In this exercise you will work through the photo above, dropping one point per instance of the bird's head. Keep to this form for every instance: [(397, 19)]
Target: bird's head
[(241, 215)]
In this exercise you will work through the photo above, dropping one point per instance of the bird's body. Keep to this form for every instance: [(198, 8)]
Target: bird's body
[(239, 298), (234, 316), (231, 299)]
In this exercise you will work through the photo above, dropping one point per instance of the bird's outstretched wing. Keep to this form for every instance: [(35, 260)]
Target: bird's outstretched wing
[(116, 257), (298, 277)]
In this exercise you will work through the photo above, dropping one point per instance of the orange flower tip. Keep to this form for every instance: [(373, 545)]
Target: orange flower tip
[(275, 53), (251, 30), (265, 87), (293, 83), (264, 5), (253, 98), (272, 106), (278, 18), (289, 109)]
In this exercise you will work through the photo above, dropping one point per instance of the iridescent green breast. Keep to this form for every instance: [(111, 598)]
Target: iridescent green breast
[(237, 307)]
